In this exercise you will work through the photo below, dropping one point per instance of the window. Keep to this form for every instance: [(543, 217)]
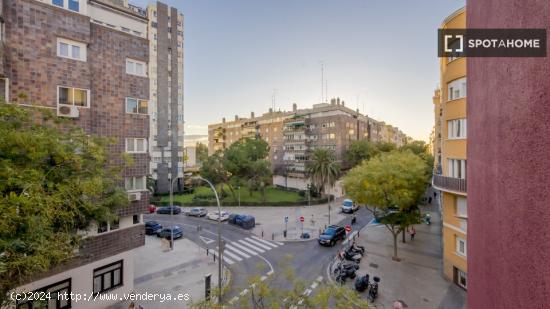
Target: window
[(136, 145), (58, 3), (134, 183), (135, 67), (135, 219), (456, 129), (461, 207), (332, 136), (74, 5), (456, 168), (108, 277), (73, 96), (136, 106), (461, 246), (58, 300), (457, 89), (460, 278), (71, 49)]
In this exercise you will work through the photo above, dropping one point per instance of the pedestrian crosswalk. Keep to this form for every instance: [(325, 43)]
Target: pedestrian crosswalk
[(236, 251)]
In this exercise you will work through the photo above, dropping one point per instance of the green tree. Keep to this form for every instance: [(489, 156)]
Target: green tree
[(53, 183), (385, 146), (390, 186), (323, 169), (359, 151), (421, 149), (214, 170), (201, 153)]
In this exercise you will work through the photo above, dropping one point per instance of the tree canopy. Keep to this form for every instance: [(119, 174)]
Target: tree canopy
[(53, 183), (201, 153), (323, 169), (361, 150)]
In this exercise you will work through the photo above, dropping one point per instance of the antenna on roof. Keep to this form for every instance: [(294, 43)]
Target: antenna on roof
[(322, 81)]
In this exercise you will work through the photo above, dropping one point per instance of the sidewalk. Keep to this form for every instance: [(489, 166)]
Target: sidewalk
[(416, 280), (271, 220), (180, 271)]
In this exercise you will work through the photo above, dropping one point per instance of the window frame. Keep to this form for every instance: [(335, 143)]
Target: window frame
[(133, 179), (460, 84), (460, 240), (461, 207), (457, 128), (45, 289), (111, 272), (134, 62), (68, 87), (137, 102), (83, 54), (134, 141)]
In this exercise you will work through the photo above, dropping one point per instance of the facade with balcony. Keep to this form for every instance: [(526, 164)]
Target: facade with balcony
[(450, 166)]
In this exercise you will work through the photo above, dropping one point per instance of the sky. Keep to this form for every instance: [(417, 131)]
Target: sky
[(379, 56)]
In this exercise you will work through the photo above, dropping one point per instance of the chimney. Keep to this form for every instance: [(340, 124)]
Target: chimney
[(294, 107), (338, 101), (236, 117), (270, 110), (223, 120), (251, 114)]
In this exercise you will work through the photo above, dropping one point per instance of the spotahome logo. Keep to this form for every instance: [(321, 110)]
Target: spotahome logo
[(492, 43)]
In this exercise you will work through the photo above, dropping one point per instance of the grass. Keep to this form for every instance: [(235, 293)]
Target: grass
[(273, 195)]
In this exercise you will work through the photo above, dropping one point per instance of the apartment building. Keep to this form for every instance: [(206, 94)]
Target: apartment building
[(436, 133), (165, 33), (268, 127), (86, 61), (450, 159)]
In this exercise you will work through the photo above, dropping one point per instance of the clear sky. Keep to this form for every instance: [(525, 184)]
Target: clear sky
[(379, 56)]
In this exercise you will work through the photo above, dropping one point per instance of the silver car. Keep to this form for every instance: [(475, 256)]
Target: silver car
[(197, 212)]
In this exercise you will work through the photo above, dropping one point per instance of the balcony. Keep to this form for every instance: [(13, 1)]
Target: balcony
[(450, 183)]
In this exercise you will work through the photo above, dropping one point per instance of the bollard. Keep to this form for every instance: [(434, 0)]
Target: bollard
[(262, 233), (273, 236), (284, 233), (206, 251), (214, 257)]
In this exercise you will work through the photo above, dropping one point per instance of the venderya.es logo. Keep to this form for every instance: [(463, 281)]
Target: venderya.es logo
[(492, 43)]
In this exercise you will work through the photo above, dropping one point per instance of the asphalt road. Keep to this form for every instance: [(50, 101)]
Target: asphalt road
[(247, 255)]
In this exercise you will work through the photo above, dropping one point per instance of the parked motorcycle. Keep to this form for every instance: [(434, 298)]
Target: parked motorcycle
[(428, 218), (373, 289), (345, 270), (351, 255), (362, 283), (357, 249)]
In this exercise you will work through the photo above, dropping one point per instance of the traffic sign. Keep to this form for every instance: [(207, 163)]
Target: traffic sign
[(301, 218), (286, 219), (348, 228)]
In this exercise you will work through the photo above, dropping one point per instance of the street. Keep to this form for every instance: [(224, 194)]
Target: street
[(247, 255)]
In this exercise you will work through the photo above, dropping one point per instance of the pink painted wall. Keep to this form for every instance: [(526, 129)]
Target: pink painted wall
[(508, 165)]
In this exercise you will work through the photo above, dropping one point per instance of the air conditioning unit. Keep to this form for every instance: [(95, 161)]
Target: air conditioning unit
[(134, 196), (70, 111)]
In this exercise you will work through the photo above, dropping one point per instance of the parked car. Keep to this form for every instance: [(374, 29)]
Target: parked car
[(244, 221), (166, 210), (213, 215), (152, 208), (152, 227), (348, 206), (197, 212), (167, 231), (331, 235)]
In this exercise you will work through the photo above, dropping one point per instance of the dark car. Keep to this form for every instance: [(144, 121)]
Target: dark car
[(244, 221), (152, 227), (167, 231), (331, 235), (166, 210)]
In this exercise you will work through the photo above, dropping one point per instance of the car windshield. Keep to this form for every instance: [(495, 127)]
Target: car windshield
[(330, 231), (348, 203)]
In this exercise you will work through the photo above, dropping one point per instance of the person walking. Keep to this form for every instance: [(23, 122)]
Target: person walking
[(412, 231)]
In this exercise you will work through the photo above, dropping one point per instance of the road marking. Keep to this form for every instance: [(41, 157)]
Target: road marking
[(230, 246), (244, 292), (263, 278), (225, 258), (319, 279), (206, 240), (231, 255), (251, 246), (314, 285), (236, 244), (269, 273), (257, 243), (233, 300), (265, 241)]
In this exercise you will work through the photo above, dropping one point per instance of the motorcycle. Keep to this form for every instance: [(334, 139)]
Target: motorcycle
[(357, 249), (428, 218), (362, 283), (373, 289), (345, 270), (351, 255)]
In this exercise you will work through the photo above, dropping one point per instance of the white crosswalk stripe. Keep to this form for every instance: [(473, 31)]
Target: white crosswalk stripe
[(231, 255), (234, 249), (264, 242), (251, 247), (257, 243), (225, 258)]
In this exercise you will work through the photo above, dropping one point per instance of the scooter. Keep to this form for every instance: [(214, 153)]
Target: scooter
[(362, 283), (345, 270), (373, 289), (357, 249), (428, 218), (351, 255)]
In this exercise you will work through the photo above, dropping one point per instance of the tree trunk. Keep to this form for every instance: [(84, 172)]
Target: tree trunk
[(404, 236), (395, 257)]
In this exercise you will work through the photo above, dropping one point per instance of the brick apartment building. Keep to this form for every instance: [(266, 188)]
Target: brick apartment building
[(294, 134), (85, 61)]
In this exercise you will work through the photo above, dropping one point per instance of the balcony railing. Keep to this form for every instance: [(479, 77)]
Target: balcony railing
[(450, 183)]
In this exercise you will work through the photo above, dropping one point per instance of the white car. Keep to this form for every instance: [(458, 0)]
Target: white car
[(348, 206), (213, 215)]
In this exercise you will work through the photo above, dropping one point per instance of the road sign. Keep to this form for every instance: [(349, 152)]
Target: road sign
[(286, 219), (348, 228), (301, 218)]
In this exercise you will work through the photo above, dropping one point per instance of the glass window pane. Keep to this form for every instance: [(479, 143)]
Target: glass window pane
[(129, 144), (97, 284), (116, 277), (129, 66), (140, 183), (128, 184), (63, 95), (142, 107), (63, 49), (76, 52), (131, 105), (58, 2), (106, 281), (140, 145), (80, 97), (139, 68), (74, 5)]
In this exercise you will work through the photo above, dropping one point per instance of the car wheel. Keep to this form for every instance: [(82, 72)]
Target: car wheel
[(332, 243)]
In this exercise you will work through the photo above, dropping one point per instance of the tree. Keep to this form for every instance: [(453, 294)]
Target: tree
[(385, 146), (214, 170), (359, 151), (323, 169), (421, 149), (53, 183), (201, 153), (389, 185)]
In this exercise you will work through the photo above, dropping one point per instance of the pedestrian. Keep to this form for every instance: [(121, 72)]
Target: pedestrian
[(132, 306), (353, 219), (435, 194), (430, 200), (412, 232)]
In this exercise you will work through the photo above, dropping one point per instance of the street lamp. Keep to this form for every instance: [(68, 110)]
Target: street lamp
[(220, 249), (172, 212), (239, 190)]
